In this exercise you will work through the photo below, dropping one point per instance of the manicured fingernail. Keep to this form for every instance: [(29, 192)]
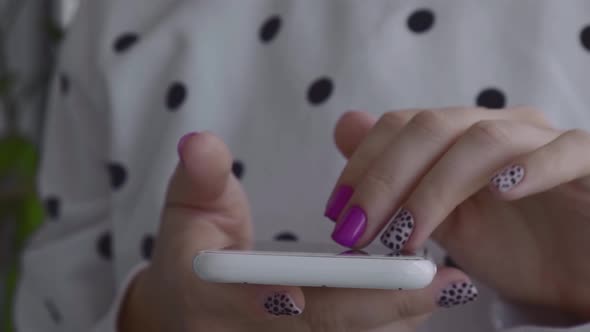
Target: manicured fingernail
[(338, 201), (281, 304), (456, 294), (183, 140), (508, 178), (351, 228), (399, 231)]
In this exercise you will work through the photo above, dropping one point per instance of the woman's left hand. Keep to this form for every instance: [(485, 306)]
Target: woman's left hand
[(506, 195)]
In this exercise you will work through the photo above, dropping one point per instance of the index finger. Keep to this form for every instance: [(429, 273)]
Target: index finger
[(391, 160)]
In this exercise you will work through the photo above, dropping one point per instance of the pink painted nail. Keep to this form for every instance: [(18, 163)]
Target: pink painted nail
[(352, 227), (182, 141), (338, 201)]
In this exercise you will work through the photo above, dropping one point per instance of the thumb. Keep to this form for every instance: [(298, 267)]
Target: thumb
[(205, 202), (351, 130), (206, 208), (450, 287)]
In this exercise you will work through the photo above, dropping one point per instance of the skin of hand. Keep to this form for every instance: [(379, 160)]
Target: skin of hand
[(505, 193), (206, 208)]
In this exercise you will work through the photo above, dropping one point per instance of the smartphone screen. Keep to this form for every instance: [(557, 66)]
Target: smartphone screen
[(325, 249)]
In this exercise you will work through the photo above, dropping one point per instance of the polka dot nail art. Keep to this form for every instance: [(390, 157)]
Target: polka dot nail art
[(456, 294), (508, 178), (397, 234), (281, 304)]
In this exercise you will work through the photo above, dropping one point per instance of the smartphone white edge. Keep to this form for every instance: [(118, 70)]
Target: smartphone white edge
[(314, 270)]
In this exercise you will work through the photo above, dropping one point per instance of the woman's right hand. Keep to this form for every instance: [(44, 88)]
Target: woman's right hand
[(206, 208)]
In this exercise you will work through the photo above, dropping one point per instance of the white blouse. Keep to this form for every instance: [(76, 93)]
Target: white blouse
[(271, 78)]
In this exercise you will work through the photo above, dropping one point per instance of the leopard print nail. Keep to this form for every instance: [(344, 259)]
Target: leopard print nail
[(456, 294), (398, 233), (508, 178), (281, 304)]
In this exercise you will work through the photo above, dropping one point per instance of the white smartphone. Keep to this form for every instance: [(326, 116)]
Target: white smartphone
[(322, 266)]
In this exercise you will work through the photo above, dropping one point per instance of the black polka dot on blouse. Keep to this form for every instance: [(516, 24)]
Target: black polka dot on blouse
[(64, 84), (286, 237), (53, 311), (104, 245), (421, 20), (147, 247), (176, 96), (320, 91), (238, 169), (270, 29), (585, 37), (491, 98), (52, 207), (118, 175), (125, 41)]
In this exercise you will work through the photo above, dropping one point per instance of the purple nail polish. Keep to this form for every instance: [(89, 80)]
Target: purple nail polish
[(338, 201), (183, 140), (352, 227)]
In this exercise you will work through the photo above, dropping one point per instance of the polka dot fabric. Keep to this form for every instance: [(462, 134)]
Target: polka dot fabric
[(118, 175), (320, 91), (491, 98), (176, 96), (238, 169), (421, 21), (125, 42), (270, 29), (64, 84), (270, 78), (104, 246), (53, 311), (147, 247), (585, 37), (52, 207)]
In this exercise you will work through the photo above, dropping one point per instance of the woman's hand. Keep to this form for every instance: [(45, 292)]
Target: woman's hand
[(504, 193), (206, 208)]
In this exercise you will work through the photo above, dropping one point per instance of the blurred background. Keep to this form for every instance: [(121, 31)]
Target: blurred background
[(30, 33)]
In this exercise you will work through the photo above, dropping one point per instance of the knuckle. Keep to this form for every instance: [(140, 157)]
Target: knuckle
[(459, 109), (489, 132), (324, 320), (532, 114), (528, 110), (436, 197), (404, 307), (380, 182), (578, 136), (391, 121), (431, 123)]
